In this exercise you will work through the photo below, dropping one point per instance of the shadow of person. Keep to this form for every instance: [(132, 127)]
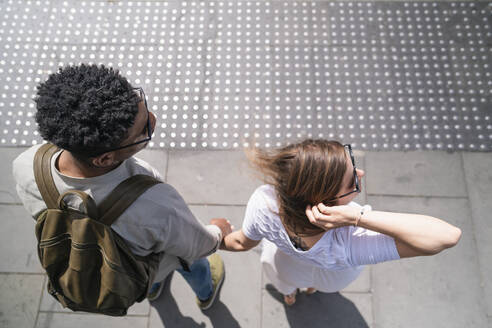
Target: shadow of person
[(320, 310), (220, 316), (168, 309)]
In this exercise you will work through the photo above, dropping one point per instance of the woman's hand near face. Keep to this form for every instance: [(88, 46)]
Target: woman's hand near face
[(330, 217)]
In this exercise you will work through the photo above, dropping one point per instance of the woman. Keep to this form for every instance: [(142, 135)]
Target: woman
[(315, 236)]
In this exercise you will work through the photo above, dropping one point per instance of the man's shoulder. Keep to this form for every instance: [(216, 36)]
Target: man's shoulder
[(139, 166), (23, 163), (27, 156), (161, 197), (264, 198), (160, 191)]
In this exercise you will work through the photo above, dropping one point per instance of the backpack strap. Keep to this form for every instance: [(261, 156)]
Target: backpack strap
[(42, 174), (88, 203), (123, 196)]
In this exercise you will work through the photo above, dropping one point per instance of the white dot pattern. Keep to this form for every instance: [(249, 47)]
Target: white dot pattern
[(222, 74)]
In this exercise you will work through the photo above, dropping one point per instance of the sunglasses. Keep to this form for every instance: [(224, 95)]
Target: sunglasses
[(356, 178)]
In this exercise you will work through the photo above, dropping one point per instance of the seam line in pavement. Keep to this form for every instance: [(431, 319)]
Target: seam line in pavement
[(39, 304), (23, 273), (474, 237), (371, 289), (167, 165), (148, 316), (373, 309)]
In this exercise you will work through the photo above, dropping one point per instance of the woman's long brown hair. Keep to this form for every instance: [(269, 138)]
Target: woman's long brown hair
[(309, 172)]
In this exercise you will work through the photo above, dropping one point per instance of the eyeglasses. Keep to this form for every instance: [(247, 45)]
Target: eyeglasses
[(149, 130), (356, 178)]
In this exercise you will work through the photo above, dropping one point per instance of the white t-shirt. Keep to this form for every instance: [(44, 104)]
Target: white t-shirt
[(338, 249)]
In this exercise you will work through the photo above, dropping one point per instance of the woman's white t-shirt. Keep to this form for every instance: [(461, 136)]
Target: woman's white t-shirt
[(339, 249)]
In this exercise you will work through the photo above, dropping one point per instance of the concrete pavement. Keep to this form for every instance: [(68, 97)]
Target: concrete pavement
[(447, 290)]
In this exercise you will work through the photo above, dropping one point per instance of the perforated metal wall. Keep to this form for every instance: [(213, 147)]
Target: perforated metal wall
[(381, 75)]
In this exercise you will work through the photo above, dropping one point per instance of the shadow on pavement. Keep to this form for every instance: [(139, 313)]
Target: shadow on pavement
[(168, 311), (320, 310), (220, 316)]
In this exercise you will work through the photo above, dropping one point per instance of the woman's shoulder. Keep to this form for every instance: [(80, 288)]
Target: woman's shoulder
[(264, 198)]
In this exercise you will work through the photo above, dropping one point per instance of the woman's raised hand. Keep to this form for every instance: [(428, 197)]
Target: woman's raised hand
[(330, 217)]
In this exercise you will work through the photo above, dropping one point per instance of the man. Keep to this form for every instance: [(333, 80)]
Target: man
[(99, 121)]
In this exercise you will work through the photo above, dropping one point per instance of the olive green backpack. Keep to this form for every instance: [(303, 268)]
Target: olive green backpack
[(89, 266)]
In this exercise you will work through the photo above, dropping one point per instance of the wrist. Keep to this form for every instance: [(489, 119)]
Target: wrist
[(358, 216), (223, 244), (216, 230)]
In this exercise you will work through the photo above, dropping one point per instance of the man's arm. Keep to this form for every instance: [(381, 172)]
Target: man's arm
[(178, 232)]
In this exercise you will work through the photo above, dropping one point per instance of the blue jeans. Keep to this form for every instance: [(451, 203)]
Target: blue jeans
[(199, 278)]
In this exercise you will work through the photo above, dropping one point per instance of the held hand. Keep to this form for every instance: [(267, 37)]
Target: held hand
[(330, 217), (223, 224)]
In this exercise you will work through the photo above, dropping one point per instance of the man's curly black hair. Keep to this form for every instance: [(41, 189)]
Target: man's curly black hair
[(85, 109)]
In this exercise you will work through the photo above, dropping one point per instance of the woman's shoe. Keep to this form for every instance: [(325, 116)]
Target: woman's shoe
[(290, 299)]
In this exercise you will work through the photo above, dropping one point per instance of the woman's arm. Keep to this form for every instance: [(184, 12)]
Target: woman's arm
[(414, 234), (238, 242)]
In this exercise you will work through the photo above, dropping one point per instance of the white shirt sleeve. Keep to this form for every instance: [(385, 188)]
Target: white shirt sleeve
[(252, 217), (369, 247), (363, 246)]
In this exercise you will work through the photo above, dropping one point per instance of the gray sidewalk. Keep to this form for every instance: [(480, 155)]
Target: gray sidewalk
[(447, 290)]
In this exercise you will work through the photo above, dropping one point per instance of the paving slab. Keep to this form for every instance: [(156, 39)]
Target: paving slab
[(363, 302), (7, 186), (438, 291), (211, 177), (479, 183), (415, 173), (18, 251), (64, 320), (360, 163), (240, 296), (20, 299), (362, 284), (316, 310), (238, 305), (165, 311)]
